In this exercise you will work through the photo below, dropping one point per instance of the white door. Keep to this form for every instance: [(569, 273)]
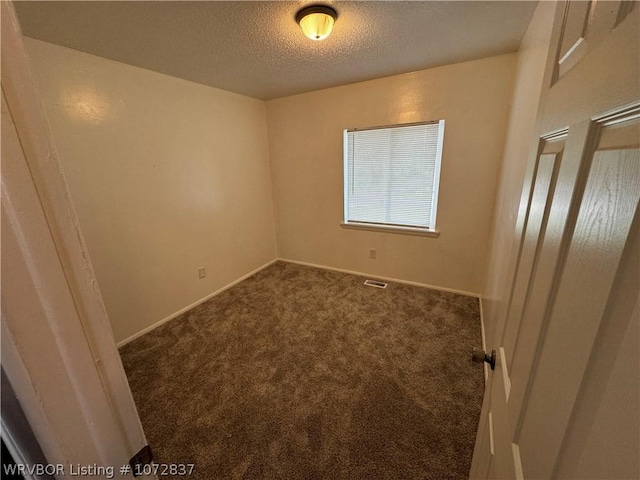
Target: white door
[(563, 399)]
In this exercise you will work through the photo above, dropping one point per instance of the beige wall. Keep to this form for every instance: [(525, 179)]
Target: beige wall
[(166, 176), (305, 140), (520, 139)]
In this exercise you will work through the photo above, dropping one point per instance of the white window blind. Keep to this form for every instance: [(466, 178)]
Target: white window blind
[(391, 175)]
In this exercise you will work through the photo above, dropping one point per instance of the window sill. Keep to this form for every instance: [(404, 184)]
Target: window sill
[(421, 232)]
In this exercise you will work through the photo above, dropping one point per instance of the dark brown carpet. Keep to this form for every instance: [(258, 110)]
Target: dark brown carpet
[(301, 373)]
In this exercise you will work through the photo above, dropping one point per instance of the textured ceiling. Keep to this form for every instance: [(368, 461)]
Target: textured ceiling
[(255, 48)]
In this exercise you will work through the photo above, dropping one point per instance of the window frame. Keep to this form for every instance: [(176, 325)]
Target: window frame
[(386, 227)]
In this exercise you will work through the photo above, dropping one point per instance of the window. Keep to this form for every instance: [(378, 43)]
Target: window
[(391, 176)]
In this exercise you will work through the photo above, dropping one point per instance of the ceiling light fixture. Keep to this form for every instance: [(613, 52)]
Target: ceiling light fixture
[(317, 21)]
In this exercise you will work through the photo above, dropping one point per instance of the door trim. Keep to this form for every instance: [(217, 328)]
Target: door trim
[(94, 328)]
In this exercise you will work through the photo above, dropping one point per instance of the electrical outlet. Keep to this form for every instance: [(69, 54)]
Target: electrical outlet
[(202, 273), (372, 253)]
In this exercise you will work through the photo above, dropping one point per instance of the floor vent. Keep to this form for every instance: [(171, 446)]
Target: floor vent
[(375, 283)]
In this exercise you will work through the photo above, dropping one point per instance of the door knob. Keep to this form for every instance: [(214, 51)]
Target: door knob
[(479, 356)]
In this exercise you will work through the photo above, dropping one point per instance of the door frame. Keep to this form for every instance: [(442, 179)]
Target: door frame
[(108, 424)]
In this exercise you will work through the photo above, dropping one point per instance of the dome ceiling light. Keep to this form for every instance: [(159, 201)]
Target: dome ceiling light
[(317, 21)]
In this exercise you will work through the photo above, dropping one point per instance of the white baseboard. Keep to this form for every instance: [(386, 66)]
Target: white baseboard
[(517, 462), (389, 279), (194, 304), (324, 267)]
